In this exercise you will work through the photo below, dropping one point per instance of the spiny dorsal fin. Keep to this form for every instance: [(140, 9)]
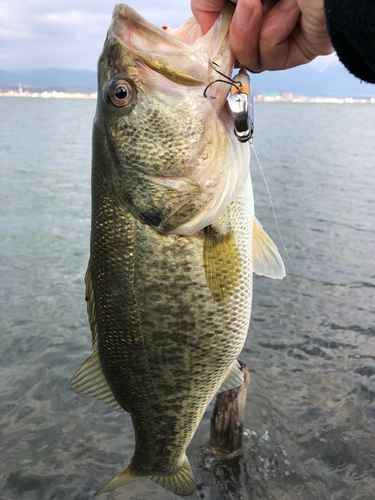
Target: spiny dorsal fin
[(222, 261), (234, 378), (90, 380), (266, 258)]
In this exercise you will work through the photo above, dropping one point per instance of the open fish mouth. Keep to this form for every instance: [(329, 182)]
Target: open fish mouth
[(173, 68), (180, 55)]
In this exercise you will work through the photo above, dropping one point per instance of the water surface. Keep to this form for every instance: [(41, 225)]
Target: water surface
[(306, 436)]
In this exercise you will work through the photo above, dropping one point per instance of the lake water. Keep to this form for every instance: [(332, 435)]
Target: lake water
[(306, 435)]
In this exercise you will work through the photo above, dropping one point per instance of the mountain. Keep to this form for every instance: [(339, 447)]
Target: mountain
[(51, 77), (332, 81)]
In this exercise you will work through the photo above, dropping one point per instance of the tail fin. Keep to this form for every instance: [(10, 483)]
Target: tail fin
[(181, 483), (128, 475)]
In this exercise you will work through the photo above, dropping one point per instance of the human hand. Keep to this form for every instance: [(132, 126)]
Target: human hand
[(273, 35)]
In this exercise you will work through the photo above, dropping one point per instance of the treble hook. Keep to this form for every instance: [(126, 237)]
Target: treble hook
[(227, 80)]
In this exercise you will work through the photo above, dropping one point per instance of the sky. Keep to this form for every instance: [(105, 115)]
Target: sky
[(69, 34), (39, 34)]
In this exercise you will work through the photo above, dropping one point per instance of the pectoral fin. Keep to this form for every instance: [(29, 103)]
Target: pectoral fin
[(266, 258), (222, 262), (163, 203)]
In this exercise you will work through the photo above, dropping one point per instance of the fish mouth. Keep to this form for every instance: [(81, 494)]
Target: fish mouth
[(181, 55)]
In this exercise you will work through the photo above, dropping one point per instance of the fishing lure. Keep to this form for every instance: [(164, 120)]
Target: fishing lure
[(241, 105), (240, 101)]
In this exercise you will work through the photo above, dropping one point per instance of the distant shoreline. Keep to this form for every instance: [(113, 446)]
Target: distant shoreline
[(48, 94), (288, 97), (285, 97)]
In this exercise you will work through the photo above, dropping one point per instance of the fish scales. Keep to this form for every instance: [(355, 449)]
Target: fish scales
[(173, 249), (178, 342)]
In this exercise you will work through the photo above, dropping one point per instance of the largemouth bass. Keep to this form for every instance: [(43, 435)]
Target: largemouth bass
[(174, 240)]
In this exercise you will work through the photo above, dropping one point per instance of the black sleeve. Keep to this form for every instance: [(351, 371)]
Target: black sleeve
[(351, 26)]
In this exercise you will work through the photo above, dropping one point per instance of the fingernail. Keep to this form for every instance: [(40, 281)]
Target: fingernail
[(288, 4), (243, 13)]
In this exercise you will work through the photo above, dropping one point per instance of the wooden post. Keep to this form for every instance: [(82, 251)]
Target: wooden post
[(228, 419)]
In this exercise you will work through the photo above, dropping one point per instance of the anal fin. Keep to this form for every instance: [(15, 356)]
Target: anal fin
[(234, 378)]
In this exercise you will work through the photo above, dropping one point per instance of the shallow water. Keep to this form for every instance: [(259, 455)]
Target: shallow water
[(306, 436)]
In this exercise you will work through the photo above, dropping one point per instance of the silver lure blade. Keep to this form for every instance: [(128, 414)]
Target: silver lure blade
[(241, 105)]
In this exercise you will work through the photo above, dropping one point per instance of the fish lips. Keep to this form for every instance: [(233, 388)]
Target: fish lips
[(160, 51)]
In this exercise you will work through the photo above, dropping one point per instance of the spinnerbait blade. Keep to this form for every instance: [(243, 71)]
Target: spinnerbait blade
[(241, 105)]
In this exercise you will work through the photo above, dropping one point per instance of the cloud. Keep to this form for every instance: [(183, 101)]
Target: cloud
[(72, 22), (37, 34)]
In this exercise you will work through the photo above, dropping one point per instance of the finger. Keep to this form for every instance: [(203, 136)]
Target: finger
[(289, 38), (206, 12), (244, 32), (274, 39)]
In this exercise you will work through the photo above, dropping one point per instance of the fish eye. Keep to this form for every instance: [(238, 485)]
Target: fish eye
[(120, 93)]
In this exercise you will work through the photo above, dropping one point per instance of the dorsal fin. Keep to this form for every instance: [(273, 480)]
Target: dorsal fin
[(89, 379), (90, 302)]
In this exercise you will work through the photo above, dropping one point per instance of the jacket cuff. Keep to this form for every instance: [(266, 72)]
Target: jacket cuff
[(351, 27)]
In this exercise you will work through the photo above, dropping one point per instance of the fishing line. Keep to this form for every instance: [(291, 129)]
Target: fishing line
[(357, 403)]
